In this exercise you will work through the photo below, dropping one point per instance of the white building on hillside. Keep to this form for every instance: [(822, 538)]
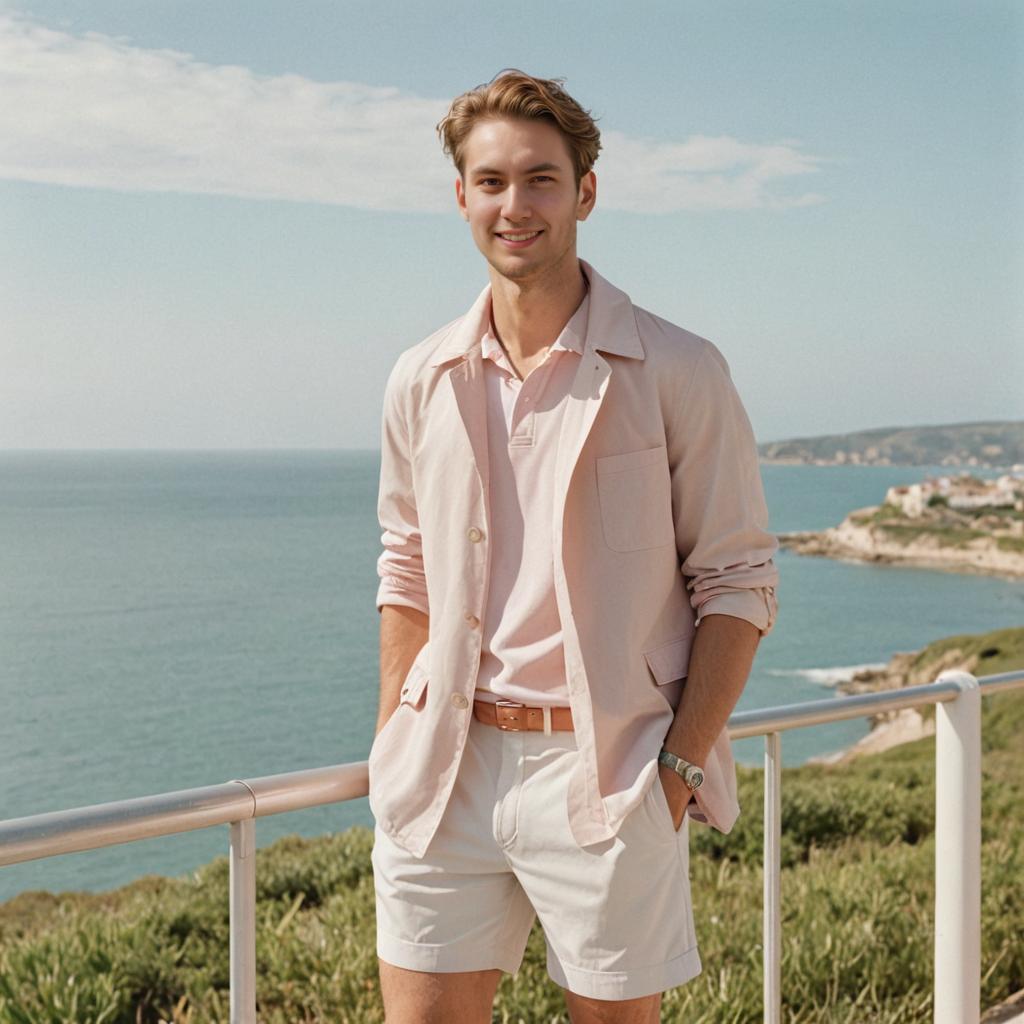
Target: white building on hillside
[(962, 492)]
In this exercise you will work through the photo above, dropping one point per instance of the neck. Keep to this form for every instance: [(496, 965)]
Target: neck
[(530, 314)]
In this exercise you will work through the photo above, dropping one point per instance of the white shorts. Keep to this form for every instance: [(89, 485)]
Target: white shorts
[(616, 915)]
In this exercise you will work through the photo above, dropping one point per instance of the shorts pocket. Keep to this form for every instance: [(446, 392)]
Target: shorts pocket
[(634, 491), (659, 811), (666, 808)]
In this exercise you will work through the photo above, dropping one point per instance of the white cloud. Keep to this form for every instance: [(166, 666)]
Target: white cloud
[(96, 111), (702, 173)]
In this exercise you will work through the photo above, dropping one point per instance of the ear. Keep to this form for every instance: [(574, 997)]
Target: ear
[(460, 198), (587, 195)]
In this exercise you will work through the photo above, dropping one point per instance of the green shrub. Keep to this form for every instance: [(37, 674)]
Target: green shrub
[(857, 897)]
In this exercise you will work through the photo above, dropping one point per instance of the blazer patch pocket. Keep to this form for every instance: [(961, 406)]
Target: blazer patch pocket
[(411, 696), (415, 687), (634, 490), (670, 661)]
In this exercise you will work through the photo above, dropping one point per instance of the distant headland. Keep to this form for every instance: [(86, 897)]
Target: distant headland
[(985, 445)]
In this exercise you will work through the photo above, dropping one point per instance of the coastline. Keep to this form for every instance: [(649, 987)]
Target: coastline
[(895, 728), (904, 726), (855, 542)]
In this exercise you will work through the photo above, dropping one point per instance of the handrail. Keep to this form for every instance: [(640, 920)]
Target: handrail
[(184, 810), (760, 722), (239, 801), (125, 821)]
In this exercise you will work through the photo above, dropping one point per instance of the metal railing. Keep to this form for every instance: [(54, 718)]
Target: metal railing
[(957, 699), (957, 696)]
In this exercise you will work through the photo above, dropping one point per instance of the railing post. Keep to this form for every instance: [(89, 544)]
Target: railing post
[(772, 928), (957, 994), (243, 921)]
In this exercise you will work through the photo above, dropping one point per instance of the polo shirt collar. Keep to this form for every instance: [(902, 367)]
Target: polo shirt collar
[(572, 337), (611, 322)]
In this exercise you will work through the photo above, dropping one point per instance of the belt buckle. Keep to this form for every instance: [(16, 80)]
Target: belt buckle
[(503, 718)]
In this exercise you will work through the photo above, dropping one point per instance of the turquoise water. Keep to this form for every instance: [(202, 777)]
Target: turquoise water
[(170, 620)]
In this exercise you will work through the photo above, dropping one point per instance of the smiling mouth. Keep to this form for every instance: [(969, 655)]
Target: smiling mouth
[(517, 236)]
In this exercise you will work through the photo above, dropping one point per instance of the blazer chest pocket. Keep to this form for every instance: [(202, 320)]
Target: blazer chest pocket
[(634, 490)]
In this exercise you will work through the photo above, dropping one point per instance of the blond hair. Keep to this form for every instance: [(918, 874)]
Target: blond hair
[(513, 93)]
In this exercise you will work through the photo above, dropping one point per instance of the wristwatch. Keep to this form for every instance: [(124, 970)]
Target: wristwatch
[(691, 774)]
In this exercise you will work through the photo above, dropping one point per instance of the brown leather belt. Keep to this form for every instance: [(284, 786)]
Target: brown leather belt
[(515, 717)]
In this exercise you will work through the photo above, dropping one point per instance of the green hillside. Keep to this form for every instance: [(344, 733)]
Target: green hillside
[(858, 851)]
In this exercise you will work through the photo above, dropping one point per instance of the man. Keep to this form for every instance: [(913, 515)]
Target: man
[(575, 576)]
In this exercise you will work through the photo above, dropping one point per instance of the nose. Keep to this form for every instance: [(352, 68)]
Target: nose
[(515, 206)]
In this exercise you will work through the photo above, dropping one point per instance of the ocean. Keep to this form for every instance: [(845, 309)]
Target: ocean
[(178, 619)]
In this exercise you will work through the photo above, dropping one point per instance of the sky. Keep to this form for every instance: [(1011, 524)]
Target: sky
[(220, 223)]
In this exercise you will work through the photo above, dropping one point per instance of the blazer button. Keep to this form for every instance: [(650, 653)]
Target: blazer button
[(472, 619), (459, 701), (474, 534)]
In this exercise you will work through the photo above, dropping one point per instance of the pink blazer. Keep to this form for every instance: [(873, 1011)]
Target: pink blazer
[(661, 520)]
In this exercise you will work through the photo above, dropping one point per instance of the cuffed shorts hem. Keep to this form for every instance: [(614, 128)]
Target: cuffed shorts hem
[(631, 984), (445, 958)]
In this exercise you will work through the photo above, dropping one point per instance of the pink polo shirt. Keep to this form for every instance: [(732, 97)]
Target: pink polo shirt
[(522, 657)]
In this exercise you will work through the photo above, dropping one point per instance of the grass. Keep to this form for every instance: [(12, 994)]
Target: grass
[(1004, 512), (901, 529), (857, 897), (947, 536)]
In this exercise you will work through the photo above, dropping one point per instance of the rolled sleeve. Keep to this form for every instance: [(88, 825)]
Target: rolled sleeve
[(725, 548), (757, 605), (400, 565)]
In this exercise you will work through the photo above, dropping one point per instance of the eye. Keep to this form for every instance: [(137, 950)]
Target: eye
[(543, 177), (488, 182)]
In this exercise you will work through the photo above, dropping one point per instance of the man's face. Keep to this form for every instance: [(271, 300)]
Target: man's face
[(519, 181)]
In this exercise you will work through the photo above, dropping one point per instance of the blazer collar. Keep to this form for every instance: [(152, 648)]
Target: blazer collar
[(611, 325)]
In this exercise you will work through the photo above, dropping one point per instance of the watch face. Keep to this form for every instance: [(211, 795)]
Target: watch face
[(694, 777)]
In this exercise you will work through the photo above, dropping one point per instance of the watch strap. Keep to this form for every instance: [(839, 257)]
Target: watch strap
[(691, 774)]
